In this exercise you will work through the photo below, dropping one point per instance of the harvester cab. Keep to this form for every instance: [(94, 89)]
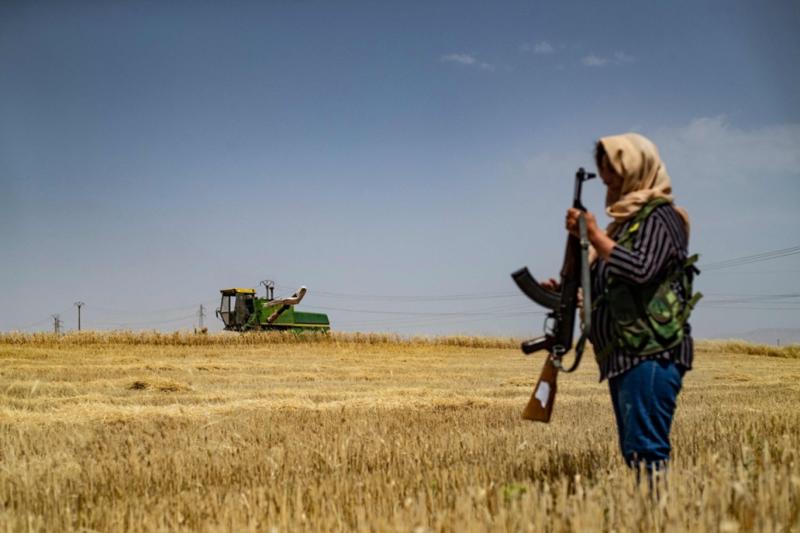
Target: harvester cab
[(236, 307), (241, 310)]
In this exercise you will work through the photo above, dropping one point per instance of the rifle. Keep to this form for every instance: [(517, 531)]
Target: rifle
[(560, 322)]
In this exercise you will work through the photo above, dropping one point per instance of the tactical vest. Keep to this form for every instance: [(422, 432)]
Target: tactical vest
[(650, 318)]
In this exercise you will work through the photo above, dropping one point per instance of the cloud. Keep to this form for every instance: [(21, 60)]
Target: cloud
[(619, 58), (731, 174), (540, 48), (594, 61), (710, 149), (466, 60)]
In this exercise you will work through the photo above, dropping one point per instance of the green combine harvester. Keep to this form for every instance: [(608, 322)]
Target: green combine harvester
[(242, 310)]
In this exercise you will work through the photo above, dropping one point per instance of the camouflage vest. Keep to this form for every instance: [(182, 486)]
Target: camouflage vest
[(650, 318)]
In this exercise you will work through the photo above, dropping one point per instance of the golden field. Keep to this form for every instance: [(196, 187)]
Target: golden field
[(144, 432)]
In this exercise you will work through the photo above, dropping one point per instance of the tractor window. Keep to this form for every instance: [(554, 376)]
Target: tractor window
[(226, 308)]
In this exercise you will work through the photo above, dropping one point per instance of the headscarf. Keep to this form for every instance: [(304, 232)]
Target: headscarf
[(645, 178)]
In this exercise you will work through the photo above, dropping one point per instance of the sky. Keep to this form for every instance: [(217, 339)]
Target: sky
[(398, 158)]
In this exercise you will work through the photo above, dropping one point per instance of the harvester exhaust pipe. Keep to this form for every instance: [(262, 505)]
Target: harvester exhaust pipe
[(286, 303), (269, 288)]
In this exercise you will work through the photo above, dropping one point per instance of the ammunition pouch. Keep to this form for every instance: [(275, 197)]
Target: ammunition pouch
[(646, 319)]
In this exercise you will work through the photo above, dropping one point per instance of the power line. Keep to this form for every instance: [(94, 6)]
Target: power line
[(415, 313), (146, 322), (750, 308), (406, 318), (37, 323), (148, 312), (759, 272), (716, 265), (407, 297), (436, 319), (786, 301), (416, 298), (750, 298), (754, 258)]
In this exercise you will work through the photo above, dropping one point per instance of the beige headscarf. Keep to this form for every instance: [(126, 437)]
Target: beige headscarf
[(645, 178)]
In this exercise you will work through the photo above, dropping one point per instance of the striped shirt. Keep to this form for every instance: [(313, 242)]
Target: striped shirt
[(660, 245)]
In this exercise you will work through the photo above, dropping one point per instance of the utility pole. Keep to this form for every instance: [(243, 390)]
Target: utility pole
[(57, 324), (201, 314), (79, 305)]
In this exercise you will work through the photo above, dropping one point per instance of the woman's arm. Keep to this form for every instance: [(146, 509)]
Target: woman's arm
[(658, 239), (602, 243)]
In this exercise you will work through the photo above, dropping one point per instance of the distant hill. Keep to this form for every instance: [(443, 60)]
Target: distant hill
[(770, 336)]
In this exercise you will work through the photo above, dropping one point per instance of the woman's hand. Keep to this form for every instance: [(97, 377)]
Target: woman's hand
[(601, 242), (572, 222), (551, 284)]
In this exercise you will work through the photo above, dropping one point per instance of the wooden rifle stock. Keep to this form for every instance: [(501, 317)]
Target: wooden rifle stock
[(540, 406)]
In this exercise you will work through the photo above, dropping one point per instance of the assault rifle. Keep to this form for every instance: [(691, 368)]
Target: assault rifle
[(560, 322)]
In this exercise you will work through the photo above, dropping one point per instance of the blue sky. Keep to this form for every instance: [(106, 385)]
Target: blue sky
[(152, 153)]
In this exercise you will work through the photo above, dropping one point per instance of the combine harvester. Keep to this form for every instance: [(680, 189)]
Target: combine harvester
[(242, 310)]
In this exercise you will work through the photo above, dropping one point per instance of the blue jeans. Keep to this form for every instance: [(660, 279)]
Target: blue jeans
[(644, 400)]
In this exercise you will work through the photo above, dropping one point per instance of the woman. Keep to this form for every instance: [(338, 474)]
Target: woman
[(641, 283)]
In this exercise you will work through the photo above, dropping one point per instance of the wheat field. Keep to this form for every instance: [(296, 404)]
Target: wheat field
[(153, 432)]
